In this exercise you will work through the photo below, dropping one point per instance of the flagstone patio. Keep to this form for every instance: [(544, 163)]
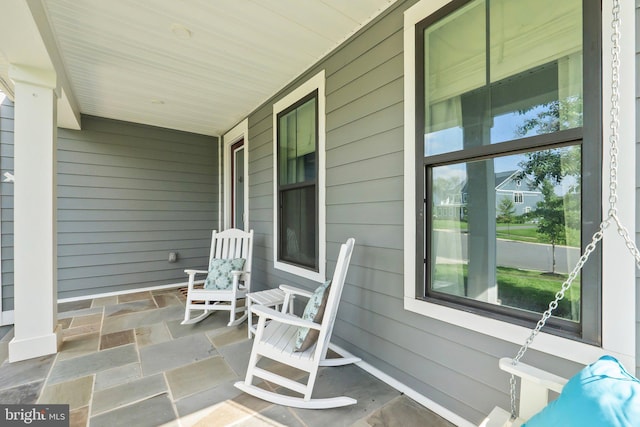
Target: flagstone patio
[(126, 360)]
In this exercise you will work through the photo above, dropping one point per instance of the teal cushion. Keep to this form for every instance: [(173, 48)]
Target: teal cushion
[(219, 277), (602, 394), (314, 311)]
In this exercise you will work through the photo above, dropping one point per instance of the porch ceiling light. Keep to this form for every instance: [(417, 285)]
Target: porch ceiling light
[(180, 31)]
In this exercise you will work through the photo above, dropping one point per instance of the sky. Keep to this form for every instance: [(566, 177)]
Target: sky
[(503, 129)]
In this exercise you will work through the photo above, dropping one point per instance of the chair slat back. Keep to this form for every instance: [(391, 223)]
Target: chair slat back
[(335, 293), (232, 243)]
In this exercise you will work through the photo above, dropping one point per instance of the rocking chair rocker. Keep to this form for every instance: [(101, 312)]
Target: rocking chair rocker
[(277, 341), (226, 245)]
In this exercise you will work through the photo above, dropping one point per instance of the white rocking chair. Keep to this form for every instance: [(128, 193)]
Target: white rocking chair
[(228, 244), (276, 340)]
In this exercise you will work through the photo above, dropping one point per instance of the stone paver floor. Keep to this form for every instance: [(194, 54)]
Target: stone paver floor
[(127, 361)]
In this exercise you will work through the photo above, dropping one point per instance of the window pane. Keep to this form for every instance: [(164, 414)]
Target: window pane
[(297, 144), (455, 63), (298, 226), (527, 82), (506, 231), (535, 67)]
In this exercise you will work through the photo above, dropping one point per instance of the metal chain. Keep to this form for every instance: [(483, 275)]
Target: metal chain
[(615, 108), (552, 306), (612, 214)]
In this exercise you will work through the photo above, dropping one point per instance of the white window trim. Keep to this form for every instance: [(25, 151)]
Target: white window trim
[(618, 293), (518, 197), (240, 131), (316, 82)]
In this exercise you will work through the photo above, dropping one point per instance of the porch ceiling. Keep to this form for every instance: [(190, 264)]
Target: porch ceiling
[(193, 65)]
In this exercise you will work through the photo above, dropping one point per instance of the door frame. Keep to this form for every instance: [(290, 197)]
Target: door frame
[(233, 179), (239, 132)]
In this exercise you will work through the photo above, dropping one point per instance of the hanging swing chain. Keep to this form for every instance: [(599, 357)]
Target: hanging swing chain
[(612, 214), (614, 124)]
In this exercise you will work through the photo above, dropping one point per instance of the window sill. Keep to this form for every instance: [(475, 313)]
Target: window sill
[(299, 271), (546, 343)]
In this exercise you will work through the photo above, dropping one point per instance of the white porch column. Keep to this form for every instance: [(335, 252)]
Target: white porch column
[(35, 245)]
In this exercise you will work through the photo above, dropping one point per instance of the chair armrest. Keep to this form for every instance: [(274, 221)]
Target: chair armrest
[(534, 375), (296, 291), (240, 273), (286, 318), (238, 277), (196, 271)]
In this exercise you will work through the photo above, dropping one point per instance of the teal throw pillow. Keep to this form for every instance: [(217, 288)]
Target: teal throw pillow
[(313, 311), (219, 277), (602, 394)]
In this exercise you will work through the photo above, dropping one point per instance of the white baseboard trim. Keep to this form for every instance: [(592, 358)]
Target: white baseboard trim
[(129, 291), (23, 349), (6, 318), (424, 401)]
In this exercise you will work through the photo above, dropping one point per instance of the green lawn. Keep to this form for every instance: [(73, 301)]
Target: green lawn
[(519, 234), (525, 289)]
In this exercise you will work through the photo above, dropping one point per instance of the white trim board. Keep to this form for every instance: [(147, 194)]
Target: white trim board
[(220, 179), (240, 131), (402, 388), (618, 298), (316, 82), (6, 318), (129, 291)]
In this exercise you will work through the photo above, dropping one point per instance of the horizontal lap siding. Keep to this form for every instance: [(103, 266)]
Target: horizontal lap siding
[(455, 368), (261, 197), (127, 196), (6, 202)]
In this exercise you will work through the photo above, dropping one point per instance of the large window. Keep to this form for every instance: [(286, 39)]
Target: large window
[(297, 183), (507, 143), (299, 242)]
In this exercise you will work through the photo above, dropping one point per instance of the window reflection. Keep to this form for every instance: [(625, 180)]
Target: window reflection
[(507, 230), (513, 75)]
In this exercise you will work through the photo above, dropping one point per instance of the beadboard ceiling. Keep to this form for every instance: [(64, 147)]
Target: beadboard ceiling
[(194, 65)]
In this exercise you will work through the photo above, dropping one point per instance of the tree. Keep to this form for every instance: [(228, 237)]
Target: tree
[(506, 209), (552, 221), (552, 116), (558, 215), (554, 165), (447, 187)]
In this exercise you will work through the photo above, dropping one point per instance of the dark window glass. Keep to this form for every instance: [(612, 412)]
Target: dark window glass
[(298, 231), (297, 183), (501, 129)]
